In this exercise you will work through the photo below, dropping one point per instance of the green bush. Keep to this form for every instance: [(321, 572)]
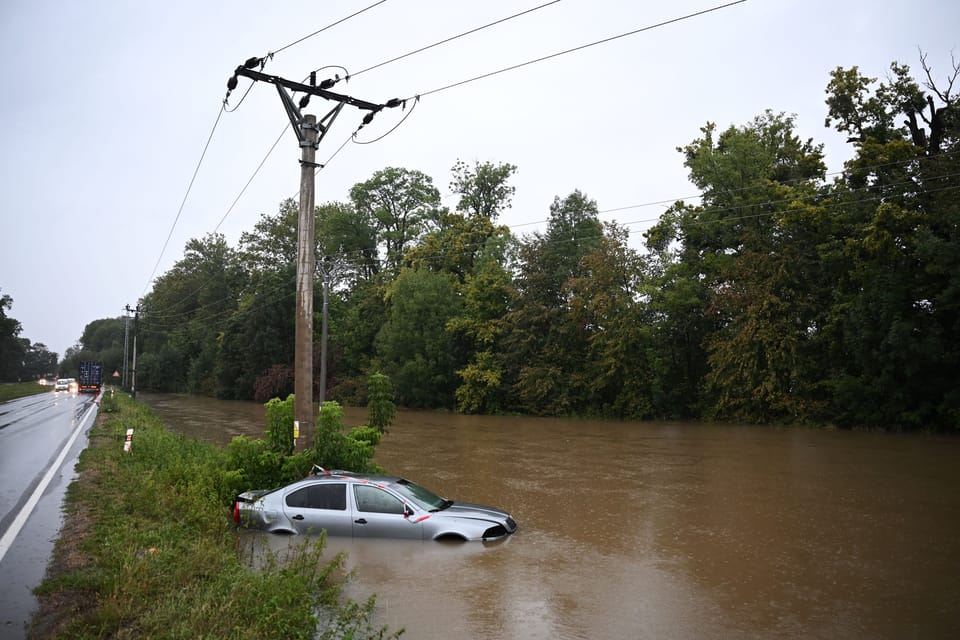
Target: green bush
[(381, 409), (257, 464), (280, 414)]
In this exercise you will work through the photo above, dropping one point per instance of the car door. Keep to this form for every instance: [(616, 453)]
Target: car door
[(318, 506), (380, 514)]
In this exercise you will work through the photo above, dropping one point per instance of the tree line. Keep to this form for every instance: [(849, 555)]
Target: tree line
[(21, 359), (784, 295)]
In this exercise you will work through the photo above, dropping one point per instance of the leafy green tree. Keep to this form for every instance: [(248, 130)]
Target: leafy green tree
[(102, 341), (897, 312), (754, 239), (38, 361), (486, 294), (380, 406), (543, 348), (12, 350), (483, 188), (676, 297), (605, 305), (259, 334), (349, 238), (188, 307), (758, 233), (401, 204), (414, 345), (273, 242), (353, 331)]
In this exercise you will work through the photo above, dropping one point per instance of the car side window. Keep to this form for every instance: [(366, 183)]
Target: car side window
[(376, 500), (319, 496)]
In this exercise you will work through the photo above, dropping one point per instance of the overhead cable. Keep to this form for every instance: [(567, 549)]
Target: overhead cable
[(580, 48)]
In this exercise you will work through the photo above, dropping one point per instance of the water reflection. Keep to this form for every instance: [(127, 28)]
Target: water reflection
[(657, 530)]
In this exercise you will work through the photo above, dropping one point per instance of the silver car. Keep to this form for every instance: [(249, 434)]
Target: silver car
[(368, 506)]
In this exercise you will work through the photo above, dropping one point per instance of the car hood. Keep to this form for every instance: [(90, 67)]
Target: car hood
[(467, 510)]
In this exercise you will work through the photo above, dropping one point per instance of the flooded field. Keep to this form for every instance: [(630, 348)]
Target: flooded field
[(656, 530)]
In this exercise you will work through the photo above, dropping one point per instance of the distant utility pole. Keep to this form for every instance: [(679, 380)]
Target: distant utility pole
[(126, 342), (126, 338), (309, 133)]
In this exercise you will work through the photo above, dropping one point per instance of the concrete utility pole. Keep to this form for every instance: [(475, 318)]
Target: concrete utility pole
[(309, 133), (136, 332), (126, 344), (306, 263)]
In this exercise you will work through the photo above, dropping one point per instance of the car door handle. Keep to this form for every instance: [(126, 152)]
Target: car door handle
[(360, 521), (298, 517)]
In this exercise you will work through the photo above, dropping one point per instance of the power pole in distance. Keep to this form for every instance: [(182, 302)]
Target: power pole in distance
[(309, 133)]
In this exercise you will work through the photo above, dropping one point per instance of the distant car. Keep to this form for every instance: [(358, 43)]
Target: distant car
[(368, 506), (63, 384)]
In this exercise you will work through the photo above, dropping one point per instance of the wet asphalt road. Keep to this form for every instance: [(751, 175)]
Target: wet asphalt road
[(41, 438)]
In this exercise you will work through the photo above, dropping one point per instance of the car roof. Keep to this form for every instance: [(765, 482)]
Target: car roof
[(360, 477)]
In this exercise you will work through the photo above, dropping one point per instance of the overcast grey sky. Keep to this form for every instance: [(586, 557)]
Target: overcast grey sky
[(106, 107)]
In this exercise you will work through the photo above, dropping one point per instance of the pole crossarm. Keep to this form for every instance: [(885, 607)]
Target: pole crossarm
[(306, 88)]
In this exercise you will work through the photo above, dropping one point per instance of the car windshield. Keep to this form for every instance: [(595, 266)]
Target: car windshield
[(424, 498)]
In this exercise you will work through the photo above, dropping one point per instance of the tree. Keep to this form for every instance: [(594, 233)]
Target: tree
[(102, 341), (484, 192), (12, 351), (605, 305), (543, 348), (414, 344), (753, 242), (188, 307), (486, 293), (401, 204), (897, 313), (380, 406), (259, 334)]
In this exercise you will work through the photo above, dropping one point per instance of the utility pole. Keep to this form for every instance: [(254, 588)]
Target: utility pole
[(306, 263), (126, 342), (136, 332), (309, 132)]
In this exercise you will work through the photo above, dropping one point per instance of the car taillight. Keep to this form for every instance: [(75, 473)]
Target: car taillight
[(236, 511)]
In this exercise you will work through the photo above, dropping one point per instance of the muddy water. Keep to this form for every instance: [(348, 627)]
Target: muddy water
[(647, 530)]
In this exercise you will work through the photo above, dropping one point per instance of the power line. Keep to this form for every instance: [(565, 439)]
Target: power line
[(579, 48), (480, 28), (254, 175), (184, 201), (452, 38), (333, 24), (841, 172)]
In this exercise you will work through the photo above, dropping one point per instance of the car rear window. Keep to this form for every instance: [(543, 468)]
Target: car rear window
[(319, 496)]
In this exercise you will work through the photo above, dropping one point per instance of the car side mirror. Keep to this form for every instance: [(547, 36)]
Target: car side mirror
[(407, 511)]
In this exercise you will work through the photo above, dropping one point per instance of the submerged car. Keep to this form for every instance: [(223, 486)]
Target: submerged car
[(368, 506)]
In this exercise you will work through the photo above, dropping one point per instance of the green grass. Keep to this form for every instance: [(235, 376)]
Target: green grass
[(159, 557), (14, 390)]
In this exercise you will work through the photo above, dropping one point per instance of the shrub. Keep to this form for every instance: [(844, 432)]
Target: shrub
[(273, 383), (280, 415), (380, 407)]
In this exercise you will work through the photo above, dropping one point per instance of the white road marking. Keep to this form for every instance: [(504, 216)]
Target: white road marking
[(7, 540)]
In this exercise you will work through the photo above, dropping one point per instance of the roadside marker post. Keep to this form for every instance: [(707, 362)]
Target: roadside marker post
[(129, 441)]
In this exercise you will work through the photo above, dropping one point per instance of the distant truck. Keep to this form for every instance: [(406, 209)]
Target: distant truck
[(91, 377)]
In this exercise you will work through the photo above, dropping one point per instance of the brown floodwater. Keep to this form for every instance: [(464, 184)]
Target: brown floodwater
[(656, 530)]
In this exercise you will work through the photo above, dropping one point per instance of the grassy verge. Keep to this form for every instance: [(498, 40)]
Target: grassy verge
[(14, 390), (148, 550)]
